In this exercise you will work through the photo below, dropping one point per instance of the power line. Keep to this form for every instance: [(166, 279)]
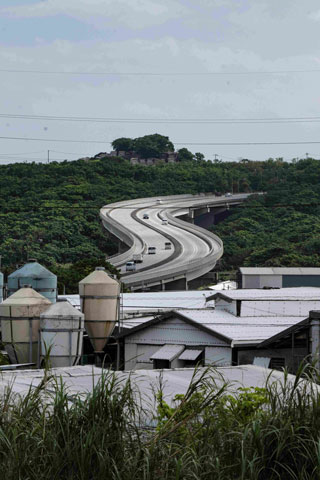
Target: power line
[(22, 153), (160, 74), (69, 153), (53, 140), (162, 120), (34, 139)]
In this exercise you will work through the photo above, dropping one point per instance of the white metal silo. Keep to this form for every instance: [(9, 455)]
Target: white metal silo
[(20, 323), (99, 295), (61, 334)]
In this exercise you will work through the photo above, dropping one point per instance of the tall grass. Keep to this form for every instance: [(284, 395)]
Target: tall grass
[(261, 434)]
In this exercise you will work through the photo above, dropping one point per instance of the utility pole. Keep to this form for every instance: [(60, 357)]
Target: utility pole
[(215, 156), (48, 156)]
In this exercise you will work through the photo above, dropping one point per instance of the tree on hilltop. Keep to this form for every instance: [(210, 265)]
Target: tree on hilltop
[(184, 155), (153, 145), (123, 144), (148, 146)]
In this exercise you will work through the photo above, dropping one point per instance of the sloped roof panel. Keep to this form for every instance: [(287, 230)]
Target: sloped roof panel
[(168, 352), (190, 354), (294, 293)]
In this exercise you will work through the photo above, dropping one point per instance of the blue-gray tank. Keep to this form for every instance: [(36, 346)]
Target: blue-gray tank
[(35, 275), (1, 287)]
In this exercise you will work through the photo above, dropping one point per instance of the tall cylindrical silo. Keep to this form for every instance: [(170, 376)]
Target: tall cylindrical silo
[(20, 323), (1, 287), (61, 332), (99, 295), (34, 274)]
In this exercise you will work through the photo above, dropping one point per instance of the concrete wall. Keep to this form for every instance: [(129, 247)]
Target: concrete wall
[(250, 281), (260, 281), (280, 281)]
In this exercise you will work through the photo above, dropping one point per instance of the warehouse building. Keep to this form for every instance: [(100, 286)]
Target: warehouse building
[(226, 335), (278, 277)]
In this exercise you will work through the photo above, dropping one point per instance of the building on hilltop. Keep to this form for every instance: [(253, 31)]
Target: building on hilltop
[(136, 159)]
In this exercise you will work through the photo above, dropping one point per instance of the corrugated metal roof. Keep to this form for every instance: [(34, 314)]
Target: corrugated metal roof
[(190, 354), (83, 379), (279, 270), (144, 302), (168, 352), (135, 321), (294, 293), (240, 329)]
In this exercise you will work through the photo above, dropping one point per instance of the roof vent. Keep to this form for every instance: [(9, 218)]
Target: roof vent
[(32, 260), (27, 285), (100, 269)]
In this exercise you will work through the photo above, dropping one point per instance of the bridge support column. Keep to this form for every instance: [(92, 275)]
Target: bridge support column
[(180, 284)]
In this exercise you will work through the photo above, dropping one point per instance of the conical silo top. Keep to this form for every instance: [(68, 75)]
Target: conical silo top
[(62, 309), (98, 277), (26, 296), (32, 269)]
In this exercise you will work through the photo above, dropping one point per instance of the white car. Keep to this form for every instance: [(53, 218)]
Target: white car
[(228, 194), (164, 221), (130, 267)]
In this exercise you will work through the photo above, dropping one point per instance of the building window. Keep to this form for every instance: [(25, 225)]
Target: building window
[(277, 363)]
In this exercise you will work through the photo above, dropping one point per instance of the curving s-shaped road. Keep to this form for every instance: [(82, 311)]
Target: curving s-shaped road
[(194, 251)]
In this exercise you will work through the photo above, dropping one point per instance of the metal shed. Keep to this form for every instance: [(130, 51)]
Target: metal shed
[(279, 277), (206, 336)]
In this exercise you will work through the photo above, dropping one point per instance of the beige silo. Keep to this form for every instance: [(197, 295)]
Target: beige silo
[(99, 295), (20, 323)]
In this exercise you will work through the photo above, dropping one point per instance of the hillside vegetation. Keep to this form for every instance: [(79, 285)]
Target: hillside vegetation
[(51, 211)]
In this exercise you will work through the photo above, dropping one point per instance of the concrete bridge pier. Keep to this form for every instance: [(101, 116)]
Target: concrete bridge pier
[(179, 284)]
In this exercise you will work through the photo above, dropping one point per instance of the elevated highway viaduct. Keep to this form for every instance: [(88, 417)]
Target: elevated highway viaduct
[(153, 222)]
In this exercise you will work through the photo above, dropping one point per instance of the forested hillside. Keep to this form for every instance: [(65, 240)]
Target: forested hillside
[(51, 211)]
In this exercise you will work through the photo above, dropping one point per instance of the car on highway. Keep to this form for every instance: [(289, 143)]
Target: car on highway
[(228, 194), (167, 245), (159, 201), (130, 267), (137, 258), (151, 250), (164, 221), (145, 216)]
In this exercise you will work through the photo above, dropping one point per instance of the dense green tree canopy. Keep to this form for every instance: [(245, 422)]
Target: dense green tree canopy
[(148, 146), (153, 145), (51, 211), (185, 155), (123, 144)]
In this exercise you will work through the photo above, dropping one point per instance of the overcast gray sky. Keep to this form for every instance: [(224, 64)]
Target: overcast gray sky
[(175, 61)]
